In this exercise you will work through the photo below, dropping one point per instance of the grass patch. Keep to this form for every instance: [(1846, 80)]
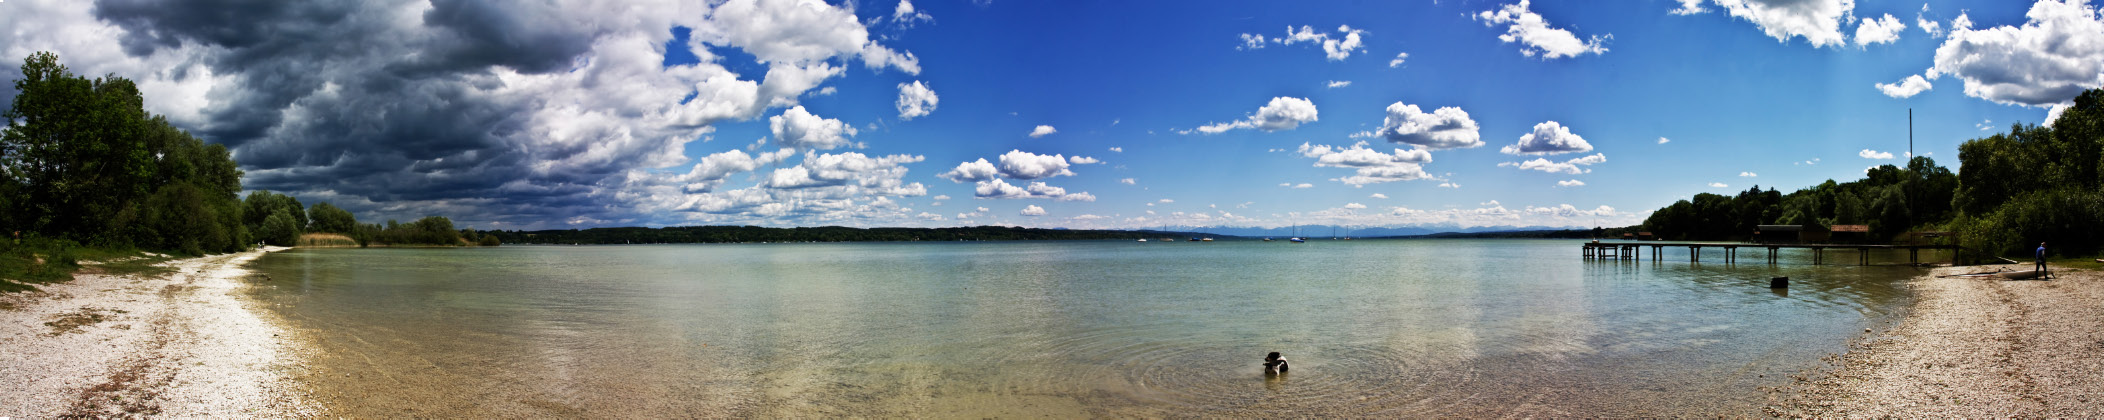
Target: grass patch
[(71, 322), (2086, 263), (31, 262)]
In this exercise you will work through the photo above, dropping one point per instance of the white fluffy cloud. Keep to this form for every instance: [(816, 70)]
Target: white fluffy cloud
[(1042, 130), (1817, 21), (1354, 206), (1526, 27), (973, 171), (1564, 167), (712, 170), (1128, 181), (1083, 160), (1372, 166), (1912, 85), (1548, 138), (799, 129), (1398, 60), (827, 170), (1303, 185), (1663, 140), (906, 14), (1032, 210), (1282, 113), (1359, 156), (1748, 174), (1933, 28), (915, 99), (2054, 56), (1379, 195), (1336, 48), (1017, 164), (1333, 84), (1718, 185), (1332, 47), (1570, 183), (1443, 128), (1879, 30), (1000, 189), (1690, 7), (1873, 154)]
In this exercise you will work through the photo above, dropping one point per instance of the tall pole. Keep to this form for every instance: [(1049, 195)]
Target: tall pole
[(1910, 133)]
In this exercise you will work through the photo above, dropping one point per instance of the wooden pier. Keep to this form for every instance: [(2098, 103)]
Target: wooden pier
[(1634, 250)]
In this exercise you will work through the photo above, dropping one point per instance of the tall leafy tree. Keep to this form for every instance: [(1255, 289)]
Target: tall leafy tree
[(82, 159)]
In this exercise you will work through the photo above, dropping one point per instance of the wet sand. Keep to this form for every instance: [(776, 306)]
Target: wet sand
[(1973, 348), (186, 344)]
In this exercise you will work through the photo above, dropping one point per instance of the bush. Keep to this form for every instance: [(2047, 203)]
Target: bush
[(2066, 219), (279, 229)]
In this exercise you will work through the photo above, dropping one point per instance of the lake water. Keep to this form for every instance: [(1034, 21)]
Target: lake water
[(1061, 329)]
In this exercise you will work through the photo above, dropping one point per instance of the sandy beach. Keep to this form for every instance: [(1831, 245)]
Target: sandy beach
[(187, 344), (1972, 347)]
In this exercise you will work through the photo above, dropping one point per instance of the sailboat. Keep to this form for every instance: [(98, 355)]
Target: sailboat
[(1296, 236)]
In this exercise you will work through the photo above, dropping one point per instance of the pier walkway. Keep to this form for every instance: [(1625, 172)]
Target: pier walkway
[(1634, 250)]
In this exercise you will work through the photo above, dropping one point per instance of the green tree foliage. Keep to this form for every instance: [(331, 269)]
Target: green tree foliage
[(82, 160), (1891, 199), (2036, 184), (279, 229), (2013, 190), (325, 217), (261, 205), (433, 230)]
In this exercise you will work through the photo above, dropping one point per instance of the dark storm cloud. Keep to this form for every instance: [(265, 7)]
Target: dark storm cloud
[(339, 99)]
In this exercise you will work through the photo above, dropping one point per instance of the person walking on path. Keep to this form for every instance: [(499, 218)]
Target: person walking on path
[(2041, 267)]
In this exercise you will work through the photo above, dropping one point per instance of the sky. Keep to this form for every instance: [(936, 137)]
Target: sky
[(1068, 114)]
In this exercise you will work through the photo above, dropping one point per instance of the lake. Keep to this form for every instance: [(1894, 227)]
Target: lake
[(1061, 329)]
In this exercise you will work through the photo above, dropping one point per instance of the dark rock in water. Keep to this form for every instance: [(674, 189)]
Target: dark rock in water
[(1779, 282)]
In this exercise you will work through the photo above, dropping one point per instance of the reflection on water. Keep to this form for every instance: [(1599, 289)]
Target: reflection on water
[(1432, 327)]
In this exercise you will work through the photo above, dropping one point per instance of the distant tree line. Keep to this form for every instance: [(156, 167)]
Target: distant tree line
[(2013, 190), (734, 234), (1889, 199)]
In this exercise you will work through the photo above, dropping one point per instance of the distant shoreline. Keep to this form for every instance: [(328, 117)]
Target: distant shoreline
[(1972, 347)]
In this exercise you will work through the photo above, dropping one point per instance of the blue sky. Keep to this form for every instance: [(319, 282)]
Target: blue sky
[(788, 112)]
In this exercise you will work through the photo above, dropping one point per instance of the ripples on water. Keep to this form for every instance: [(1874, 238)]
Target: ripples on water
[(1417, 327)]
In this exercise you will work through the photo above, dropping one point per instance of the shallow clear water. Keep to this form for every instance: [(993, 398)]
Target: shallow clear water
[(1112, 328)]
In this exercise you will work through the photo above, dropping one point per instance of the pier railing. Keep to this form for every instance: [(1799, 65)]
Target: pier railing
[(1634, 250)]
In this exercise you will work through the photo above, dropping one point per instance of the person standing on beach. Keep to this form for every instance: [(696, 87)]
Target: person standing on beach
[(2041, 267)]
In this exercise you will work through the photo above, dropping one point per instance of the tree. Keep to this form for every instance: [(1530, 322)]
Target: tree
[(81, 159), (325, 217), (263, 204), (279, 229)]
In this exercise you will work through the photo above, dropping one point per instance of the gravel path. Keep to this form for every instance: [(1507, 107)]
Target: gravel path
[(187, 344), (1974, 347)]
